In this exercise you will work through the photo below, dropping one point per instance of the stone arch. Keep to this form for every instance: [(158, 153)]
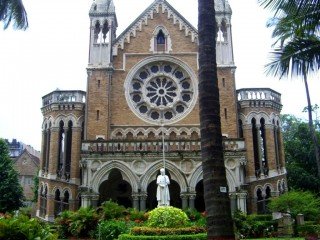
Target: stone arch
[(268, 185), (175, 173), (258, 116), (65, 119), (55, 188), (257, 188), (196, 177), (67, 189), (103, 174)]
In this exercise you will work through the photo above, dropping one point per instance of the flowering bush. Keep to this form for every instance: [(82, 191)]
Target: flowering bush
[(167, 217)]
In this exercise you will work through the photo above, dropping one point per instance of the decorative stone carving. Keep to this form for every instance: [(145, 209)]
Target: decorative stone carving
[(139, 166)]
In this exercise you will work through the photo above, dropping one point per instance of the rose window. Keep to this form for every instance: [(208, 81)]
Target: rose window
[(160, 92)]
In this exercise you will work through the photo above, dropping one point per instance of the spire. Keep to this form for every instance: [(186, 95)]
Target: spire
[(222, 6), (102, 7)]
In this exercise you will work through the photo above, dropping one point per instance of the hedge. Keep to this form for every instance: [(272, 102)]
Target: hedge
[(166, 231), (201, 236)]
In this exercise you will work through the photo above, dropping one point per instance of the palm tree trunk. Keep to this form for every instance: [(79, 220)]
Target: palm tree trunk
[(219, 221), (311, 126)]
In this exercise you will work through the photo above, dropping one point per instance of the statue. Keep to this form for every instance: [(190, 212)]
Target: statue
[(163, 195)]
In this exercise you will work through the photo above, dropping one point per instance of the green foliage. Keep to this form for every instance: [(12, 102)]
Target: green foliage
[(167, 217), (112, 210), (11, 193), (137, 216), (77, 224), (150, 231), (109, 230), (307, 230), (299, 154), (252, 226), (23, 228), (35, 187), (297, 202), (193, 214), (201, 236)]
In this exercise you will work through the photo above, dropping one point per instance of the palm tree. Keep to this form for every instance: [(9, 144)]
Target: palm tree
[(219, 221), (13, 11), (299, 50)]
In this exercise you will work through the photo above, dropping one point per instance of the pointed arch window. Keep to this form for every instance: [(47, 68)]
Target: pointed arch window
[(263, 147), (61, 149), (65, 201), (255, 141), (57, 203), (161, 41)]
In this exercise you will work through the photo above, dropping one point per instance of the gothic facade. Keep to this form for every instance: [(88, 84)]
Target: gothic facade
[(141, 110)]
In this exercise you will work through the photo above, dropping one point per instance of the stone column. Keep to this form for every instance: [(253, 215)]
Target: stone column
[(242, 201), (271, 147), (75, 155), (233, 202), (143, 199), (192, 197), (247, 134), (43, 152), (47, 153), (54, 149), (135, 198), (50, 208), (184, 198)]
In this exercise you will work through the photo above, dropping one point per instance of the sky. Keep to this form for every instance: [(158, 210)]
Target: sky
[(53, 53)]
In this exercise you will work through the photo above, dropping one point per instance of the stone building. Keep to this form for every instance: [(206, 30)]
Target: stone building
[(142, 98), (27, 165)]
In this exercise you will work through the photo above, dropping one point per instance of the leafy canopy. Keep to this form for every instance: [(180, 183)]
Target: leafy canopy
[(11, 193), (296, 202)]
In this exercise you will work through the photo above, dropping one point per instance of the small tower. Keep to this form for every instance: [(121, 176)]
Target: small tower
[(224, 37), (103, 25)]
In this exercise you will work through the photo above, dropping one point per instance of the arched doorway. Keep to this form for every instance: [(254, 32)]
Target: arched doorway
[(174, 189), (116, 189), (199, 201)]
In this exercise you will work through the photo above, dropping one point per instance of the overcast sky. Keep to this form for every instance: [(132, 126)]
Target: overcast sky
[(53, 54)]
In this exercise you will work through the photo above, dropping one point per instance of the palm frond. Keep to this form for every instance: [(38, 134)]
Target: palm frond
[(13, 11), (296, 58)]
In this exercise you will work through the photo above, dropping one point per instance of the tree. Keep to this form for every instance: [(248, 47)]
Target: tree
[(219, 221), (296, 202), (299, 51), (299, 155), (13, 11), (11, 193)]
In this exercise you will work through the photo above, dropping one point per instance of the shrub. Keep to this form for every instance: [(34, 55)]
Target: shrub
[(62, 224), (109, 230), (23, 228), (167, 217), (137, 216), (201, 236), (77, 224), (252, 226), (166, 231), (193, 214), (307, 230), (112, 210)]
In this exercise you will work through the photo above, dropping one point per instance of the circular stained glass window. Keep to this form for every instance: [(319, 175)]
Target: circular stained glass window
[(161, 92)]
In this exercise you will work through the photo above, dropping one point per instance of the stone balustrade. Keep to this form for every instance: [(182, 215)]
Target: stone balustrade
[(153, 146), (59, 96), (259, 97)]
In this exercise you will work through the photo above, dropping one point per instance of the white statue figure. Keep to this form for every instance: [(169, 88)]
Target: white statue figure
[(163, 195)]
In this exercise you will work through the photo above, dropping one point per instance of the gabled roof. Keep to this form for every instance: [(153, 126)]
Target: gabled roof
[(35, 159), (173, 14)]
